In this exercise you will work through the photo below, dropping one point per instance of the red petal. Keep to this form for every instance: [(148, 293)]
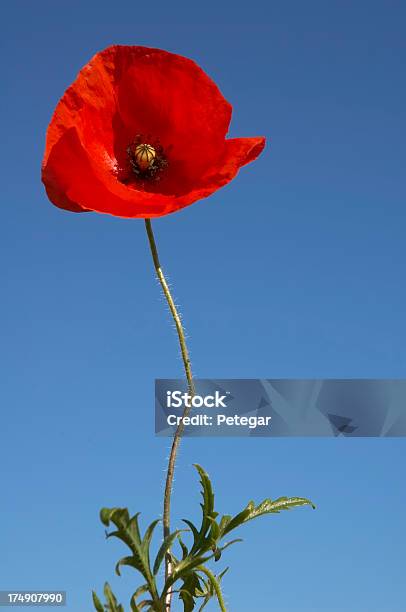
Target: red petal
[(122, 92)]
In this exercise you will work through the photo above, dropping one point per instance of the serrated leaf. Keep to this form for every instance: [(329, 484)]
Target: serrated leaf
[(129, 532), (282, 503), (237, 520), (266, 507), (207, 506)]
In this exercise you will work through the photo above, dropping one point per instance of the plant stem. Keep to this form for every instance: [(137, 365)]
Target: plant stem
[(188, 371), (215, 585)]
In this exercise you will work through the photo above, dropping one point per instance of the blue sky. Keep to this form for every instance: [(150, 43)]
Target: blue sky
[(296, 269)]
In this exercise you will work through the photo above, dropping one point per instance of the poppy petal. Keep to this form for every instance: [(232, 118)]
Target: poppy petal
[(125, 91)]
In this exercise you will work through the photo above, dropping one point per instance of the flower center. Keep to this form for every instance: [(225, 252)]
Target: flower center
[(147, 159), (144, 155)]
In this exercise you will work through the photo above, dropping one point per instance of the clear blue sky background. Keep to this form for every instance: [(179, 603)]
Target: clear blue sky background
[(296, 269)]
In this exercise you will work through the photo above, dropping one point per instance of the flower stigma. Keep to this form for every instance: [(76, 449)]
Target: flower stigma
[(144, 155), (147, 158)]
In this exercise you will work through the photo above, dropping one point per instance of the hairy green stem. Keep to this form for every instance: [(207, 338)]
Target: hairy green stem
[(188, 372), (215, 585)]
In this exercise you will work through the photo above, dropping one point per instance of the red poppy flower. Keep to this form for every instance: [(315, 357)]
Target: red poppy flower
[(141, 133)]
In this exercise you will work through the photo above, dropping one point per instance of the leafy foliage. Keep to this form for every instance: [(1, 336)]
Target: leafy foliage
[(112, 604), (196, 581)]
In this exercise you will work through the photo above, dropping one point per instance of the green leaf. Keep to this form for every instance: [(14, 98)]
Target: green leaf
[(210, 590), (164, 548), (214, 530), (97, 603), (191, 562), (140, 591), (107, 514), (129, 532), (208, 595), (230, 543), (129, 561), (182, 570), (133, 605), (197, 581), (266, 507), (224, 522), (148, 534), (205, 588), (145, 603), (207, 491), (146, 543), (193, 529), (111, 600), (189, 590), (184, 548), (215, 583), (207, 506)]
